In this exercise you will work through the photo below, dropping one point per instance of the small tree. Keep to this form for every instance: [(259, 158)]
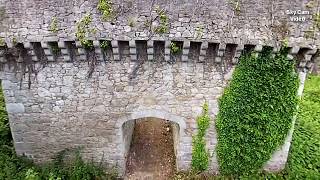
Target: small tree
[(200, 155)]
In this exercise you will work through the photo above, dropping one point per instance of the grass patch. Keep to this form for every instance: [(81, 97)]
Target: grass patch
[(304, 159)]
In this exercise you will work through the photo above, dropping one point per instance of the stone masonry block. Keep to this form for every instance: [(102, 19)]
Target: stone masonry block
[(150, 44), (186, 44), (258, 48), (294, 50), (114, 44), (15, 108)]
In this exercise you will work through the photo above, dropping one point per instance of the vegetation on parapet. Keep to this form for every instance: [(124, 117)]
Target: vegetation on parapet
[(83, 31)]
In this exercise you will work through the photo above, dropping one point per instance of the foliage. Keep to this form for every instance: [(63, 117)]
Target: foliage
[(131, 22), (14, 41), (55, 49), (105, 44), (2, 42), (54, 25), (304, 159), (5, 135), (72, 168), (311, 4), (163, 27), (31, 174), (83, 30), (236, 6), (200, 156), (199, 32), (174, 48), (256, 111), (316, 20), (105, 8)]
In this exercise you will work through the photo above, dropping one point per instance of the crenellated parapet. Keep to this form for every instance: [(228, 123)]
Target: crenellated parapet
[(223, 53)]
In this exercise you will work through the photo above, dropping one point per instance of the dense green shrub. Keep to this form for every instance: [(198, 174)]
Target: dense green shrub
[(304, 158), (5, 134), (200, 155), (68, 165), (256, 111)]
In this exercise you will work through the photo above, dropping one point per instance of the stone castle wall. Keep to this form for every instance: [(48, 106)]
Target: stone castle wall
[(249, 22), (63, 108)]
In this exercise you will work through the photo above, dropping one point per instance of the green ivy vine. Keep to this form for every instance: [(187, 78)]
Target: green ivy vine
[(105, 8), (256, 111), (83, 30), (54, 25), (163, 26), (174, 48), (104, 44), (200, 155)]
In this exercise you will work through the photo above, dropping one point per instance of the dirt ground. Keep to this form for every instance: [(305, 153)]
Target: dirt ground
[(151, 155)]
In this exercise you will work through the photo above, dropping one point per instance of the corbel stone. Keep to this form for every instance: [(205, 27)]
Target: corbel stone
[(81, 51), (203, 51), (220, 52), (133, 50), (98, 50), (115, 50), (150, 50), (167, 51), (29, 46), (185, 51), (64, 51), (239, 49), (47, 50)]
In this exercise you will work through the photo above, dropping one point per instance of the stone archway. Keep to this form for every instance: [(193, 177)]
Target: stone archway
[(125, 127)]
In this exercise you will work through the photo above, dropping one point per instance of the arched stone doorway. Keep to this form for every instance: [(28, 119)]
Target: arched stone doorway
[(177, 126)]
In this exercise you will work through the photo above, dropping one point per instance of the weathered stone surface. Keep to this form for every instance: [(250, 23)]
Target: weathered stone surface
[(15, 108), (64, 99), (65, 109)]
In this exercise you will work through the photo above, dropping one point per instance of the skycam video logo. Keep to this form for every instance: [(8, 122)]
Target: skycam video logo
[(298, 15)]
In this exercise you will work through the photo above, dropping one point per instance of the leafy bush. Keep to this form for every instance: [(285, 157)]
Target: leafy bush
[(68, 164), (256, 111), (200, 156), (304, 158)]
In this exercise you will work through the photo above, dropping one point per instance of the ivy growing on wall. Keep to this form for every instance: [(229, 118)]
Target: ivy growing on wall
[(256, 111), (163, 26), (174, 48), (83, 31), (105, 8), (200, 155), (54, 25)]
